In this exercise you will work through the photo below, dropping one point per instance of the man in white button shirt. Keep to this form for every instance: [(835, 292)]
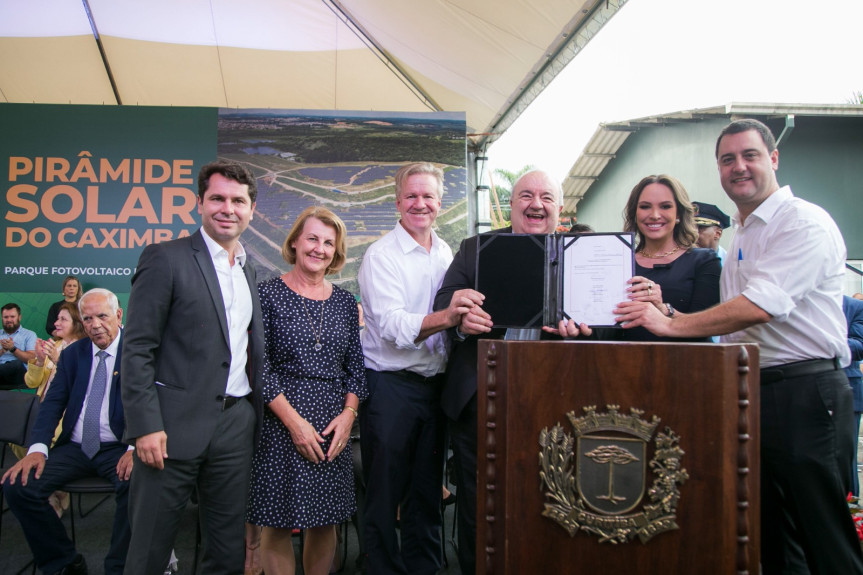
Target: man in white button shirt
[(71, 392), (781, 287), (401, 424)]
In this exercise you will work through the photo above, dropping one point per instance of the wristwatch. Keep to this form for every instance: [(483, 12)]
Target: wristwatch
[(13, 350), (670, 310)]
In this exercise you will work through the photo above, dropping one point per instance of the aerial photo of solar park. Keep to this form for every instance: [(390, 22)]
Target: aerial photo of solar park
[(346, 163)]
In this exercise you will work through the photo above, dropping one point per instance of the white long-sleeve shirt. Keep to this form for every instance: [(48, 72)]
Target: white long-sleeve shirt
[(398, 281), (788, 259)]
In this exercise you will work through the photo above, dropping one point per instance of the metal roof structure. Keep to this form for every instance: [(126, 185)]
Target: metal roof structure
[(608, 138)]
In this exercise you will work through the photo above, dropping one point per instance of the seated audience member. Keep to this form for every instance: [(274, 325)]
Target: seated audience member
[(89, 444), (19, 347), (71, 294), (710, 221), (41, 372), (42, 369)]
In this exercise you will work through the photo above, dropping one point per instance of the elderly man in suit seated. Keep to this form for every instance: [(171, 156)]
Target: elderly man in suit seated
[(87, 389)]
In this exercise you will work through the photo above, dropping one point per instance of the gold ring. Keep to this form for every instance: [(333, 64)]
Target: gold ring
[(649, 292), (339, 444), (649, 285)]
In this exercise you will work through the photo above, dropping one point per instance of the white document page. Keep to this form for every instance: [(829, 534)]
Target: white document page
[(595, 270)]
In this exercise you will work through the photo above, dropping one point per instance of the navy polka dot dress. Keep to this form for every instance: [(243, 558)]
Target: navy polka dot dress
[(287, 490)]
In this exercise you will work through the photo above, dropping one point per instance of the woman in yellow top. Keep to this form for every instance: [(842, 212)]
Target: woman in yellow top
[(68, 329)]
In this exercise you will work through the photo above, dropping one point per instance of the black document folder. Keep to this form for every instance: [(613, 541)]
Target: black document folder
[(532, 280)]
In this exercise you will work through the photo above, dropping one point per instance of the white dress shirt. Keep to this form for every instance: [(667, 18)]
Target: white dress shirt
[(105, 433), (788, 259), (238, 306), (398, 280)]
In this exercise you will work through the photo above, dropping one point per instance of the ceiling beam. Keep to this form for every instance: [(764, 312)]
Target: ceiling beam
[(582, 30), (102, 52), (366, 38)]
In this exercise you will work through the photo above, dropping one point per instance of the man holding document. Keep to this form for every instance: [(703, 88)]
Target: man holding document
[(781, 287), (536, 206)]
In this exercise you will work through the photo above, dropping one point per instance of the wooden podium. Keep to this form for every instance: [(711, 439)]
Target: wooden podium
[(694, 474)]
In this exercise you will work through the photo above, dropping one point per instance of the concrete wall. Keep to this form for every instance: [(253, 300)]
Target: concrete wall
[(822, 161)]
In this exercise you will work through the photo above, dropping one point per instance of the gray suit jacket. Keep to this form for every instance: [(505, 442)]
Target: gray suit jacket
[(176, 334)]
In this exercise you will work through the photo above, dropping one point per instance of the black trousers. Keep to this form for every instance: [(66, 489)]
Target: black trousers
[(157, 499), (51, 546), (402, 429), (463, 437), (807, 419)]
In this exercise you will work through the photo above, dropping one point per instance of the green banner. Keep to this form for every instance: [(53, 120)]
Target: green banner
[(85, 188)]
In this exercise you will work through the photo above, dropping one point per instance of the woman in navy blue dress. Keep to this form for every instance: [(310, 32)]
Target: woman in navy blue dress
[(671, 273), (314, 380)]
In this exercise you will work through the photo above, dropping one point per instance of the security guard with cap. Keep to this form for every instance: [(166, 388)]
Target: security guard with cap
[(710, 221)]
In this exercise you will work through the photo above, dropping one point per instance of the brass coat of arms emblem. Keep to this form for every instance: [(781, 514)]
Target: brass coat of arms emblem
[(596, 481)]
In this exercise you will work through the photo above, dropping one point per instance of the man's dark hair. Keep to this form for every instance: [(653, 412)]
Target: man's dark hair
[(739, 126), (230, 170), (14, 306)]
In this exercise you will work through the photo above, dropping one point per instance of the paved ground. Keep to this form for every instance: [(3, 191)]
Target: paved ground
[(93, 533)]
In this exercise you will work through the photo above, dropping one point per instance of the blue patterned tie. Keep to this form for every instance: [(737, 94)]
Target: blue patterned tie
[(90, 436)]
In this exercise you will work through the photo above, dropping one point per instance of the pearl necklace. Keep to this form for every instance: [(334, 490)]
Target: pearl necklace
[(660, 256)]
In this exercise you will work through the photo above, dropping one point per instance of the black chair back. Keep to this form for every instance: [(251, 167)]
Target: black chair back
[(17, 415)]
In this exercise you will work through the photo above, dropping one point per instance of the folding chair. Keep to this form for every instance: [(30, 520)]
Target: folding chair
[(86, 485), (17, 414)]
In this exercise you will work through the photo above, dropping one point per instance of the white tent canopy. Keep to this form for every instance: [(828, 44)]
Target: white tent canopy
[(488, 58)]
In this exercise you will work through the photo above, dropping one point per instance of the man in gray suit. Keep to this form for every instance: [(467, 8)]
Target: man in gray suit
[(192, 359)]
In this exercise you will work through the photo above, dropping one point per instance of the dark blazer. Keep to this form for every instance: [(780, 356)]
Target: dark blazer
[(853, 309), (460, 383), (67, 392), (176, 354), (461, 373)]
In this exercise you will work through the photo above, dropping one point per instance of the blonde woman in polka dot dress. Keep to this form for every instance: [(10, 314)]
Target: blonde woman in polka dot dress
[(314, 380)]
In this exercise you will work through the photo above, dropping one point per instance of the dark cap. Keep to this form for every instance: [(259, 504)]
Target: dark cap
[(710, 215)]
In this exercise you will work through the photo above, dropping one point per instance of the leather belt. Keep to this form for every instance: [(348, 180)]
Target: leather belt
[(798, 369), (230, 401)]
